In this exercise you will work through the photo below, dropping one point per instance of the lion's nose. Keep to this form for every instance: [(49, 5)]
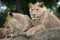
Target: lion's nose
[(33, 14)]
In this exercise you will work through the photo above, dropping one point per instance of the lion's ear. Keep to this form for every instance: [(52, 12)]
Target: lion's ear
[(10, 13), (41, 4), (30, 5)]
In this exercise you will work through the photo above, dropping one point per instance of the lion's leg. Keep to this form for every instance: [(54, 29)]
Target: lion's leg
[(27, 27), (33, 30)]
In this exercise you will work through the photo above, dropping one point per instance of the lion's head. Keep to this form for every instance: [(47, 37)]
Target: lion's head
[(37, 9)]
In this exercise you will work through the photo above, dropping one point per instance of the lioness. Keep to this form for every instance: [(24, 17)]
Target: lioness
[(42, 18), (17, 23)]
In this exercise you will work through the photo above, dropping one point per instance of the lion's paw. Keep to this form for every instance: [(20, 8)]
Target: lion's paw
[(29, 34)]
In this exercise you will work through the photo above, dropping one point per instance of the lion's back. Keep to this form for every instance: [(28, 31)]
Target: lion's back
[(53, 21)]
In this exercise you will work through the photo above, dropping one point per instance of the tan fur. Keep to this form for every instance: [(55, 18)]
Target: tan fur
[(17, 23), (42, 18)]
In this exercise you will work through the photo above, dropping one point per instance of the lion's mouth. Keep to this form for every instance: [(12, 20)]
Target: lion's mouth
[(34, 17)]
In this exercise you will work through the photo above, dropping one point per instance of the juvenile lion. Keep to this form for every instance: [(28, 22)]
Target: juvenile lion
[(42, 18), (17, 23)]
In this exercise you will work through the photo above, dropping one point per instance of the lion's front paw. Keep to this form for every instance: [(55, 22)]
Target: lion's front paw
[(29, 34), (10, 36)]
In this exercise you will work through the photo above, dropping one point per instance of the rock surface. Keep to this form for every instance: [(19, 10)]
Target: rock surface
[(46, 34)]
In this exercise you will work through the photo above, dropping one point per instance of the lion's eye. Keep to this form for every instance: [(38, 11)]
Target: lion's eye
[(41, 6), (32, 9), (37, 9)]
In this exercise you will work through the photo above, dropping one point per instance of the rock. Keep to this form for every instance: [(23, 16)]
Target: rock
[(46, 34)]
